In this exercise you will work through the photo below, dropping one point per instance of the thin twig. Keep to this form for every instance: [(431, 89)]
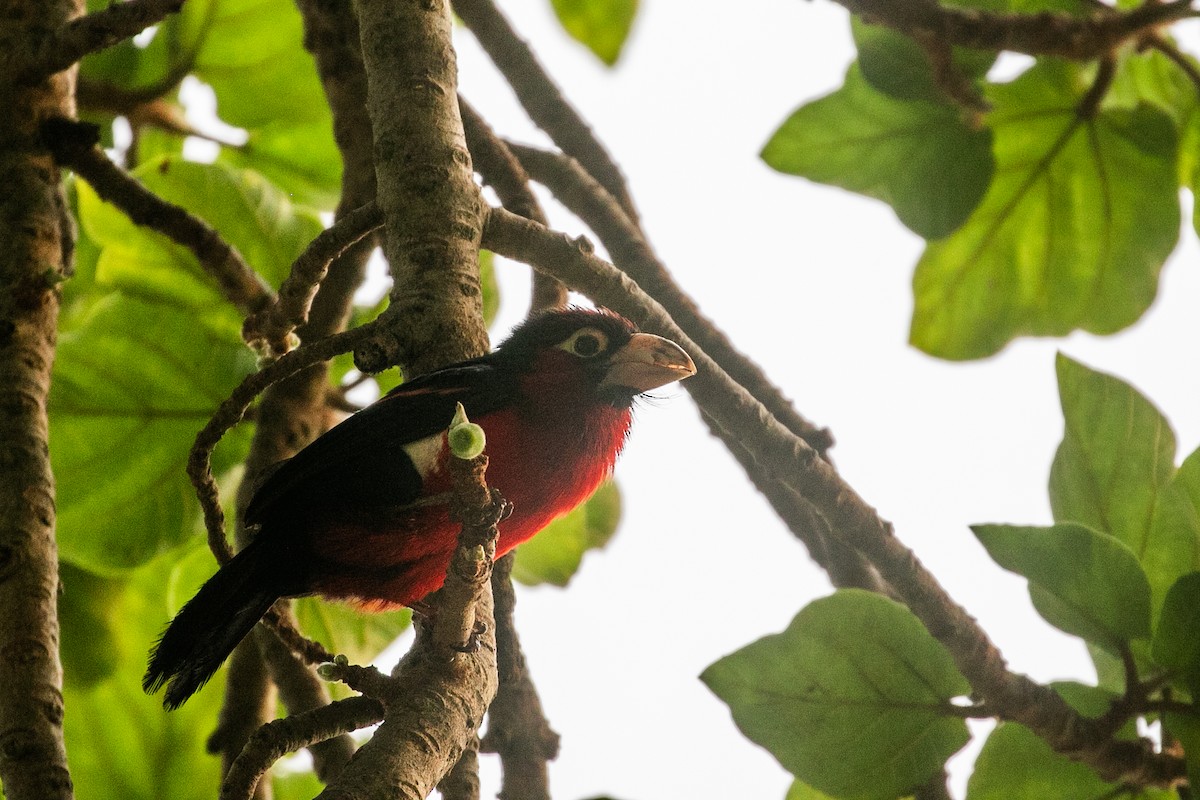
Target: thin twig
[(846, 567), (74, 145), (949, 77), (300, 690), (791, 461), (1089, 104), (275, 323), (501, 170), (632, 254), (230, 412), (276, 739), (541, 97), (517, 727)]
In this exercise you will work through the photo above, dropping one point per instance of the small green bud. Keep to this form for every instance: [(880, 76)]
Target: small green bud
[(341, 660), (466, 439), (326, 672)]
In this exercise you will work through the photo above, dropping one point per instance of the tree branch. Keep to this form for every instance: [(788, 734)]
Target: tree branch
[(796, 465), (230, 413), (38, 239), (541, 97), (74, 146), (632, 254), (301, 691), (426, 190), (1045, 33), (277, 738), (47, 54), (462, 781), (846, 567), (275, 323), (501, 170), (517, 727), (249, 685)]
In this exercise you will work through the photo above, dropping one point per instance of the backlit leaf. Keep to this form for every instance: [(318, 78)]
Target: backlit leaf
[(133, 383), (1083, 582), (920, 157), (554, 555), (1173, 546), (1073, 230), (863, 715), (600, 25), (122, 743), (1116, 456)]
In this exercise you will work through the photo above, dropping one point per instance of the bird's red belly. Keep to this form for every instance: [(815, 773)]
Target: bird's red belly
[(385, 557)]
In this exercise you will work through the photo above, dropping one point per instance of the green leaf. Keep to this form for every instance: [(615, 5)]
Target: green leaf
[(1176, 645), (802, 791), (294, 157), (600, 25), (919, 157), (122, 743), (1116, 456), (263, 39), (345, 630), (897, 66), (1081, 581), (489, 287), (1015, 764), (1151, 77), (861, 716), (88, 621), (1173, 546), (250, 214), (283, 107), (78, 293), (554, 555), (295, 786), (152, 71), (133, 383), (1072, 233)]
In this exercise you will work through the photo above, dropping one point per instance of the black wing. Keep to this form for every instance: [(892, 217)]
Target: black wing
[(360, 462)]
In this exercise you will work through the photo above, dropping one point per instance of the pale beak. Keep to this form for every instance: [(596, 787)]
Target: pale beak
[(647, 362)]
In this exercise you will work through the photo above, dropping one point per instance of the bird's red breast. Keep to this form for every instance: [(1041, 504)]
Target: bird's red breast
[(537, 459)]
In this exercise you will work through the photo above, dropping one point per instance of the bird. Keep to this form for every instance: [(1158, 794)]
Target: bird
[(361, 514)]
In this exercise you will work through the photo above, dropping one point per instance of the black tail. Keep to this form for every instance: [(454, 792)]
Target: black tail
[(210, 625)]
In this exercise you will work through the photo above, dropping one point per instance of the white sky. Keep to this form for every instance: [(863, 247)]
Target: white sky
[(815, 284)]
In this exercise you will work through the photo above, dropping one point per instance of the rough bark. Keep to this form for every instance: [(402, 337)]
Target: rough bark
[(428, 195), (36, 240)]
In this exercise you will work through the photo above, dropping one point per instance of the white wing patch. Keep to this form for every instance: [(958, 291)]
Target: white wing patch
[(426, 453)]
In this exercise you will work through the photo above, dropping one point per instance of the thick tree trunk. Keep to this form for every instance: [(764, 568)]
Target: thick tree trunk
[(35, 252)]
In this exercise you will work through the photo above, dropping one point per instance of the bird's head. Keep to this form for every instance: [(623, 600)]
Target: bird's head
[(595, 355)]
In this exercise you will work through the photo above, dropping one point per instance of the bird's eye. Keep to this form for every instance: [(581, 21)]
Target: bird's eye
[(586, 343)]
